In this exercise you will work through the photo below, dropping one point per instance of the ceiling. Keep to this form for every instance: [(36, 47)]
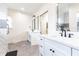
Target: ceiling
[(28, 7)]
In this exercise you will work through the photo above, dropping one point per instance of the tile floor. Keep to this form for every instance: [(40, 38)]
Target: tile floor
[(24, 49)]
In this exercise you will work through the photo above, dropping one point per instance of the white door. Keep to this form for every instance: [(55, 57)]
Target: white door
[(75, 52)]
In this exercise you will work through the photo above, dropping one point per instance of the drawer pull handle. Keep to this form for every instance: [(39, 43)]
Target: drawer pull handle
[(41, 39), (50, 49), (53, 51)]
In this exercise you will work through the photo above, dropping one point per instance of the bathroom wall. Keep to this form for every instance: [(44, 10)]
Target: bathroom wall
[(3, 12), (3, 38), (21, 23), (52, 19)]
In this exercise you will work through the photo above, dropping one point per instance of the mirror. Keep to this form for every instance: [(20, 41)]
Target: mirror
[(68, 16), (62, 17), (44, 23), (40, 23)]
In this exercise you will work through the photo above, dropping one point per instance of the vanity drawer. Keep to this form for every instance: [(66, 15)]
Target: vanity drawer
[(50, 51), (58, 53), (59, 47)]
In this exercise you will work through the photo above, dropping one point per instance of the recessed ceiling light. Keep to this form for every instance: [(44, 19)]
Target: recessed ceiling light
[(22, 9)]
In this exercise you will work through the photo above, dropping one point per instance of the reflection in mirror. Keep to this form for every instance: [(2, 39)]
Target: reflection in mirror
[(68, 16), (37, 20), (33, 23), (77, 16), (62, 17)]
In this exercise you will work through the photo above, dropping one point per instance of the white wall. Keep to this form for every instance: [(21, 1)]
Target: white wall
[(52, 18), (3, 38), (3, 12), (20, 23)]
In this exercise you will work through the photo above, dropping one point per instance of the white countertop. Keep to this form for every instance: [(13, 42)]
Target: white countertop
[(70, 42)]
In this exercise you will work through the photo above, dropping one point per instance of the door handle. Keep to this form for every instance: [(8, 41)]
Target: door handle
[(53, 51)]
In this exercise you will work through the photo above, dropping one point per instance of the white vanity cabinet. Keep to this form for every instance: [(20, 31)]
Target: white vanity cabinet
[(54, 48), (49, 47), (75, 52), (51, 51), (34, 38)]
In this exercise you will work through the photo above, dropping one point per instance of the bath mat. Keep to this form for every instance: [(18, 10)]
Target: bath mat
[(12, 53)]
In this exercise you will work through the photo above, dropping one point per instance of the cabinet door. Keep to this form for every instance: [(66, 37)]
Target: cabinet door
[(47, 50), (59, 49), (75, 52), (57, 53), (51, 51)]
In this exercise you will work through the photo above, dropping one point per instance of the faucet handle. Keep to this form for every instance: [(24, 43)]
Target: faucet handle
[(70, 35), (61, 34)]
